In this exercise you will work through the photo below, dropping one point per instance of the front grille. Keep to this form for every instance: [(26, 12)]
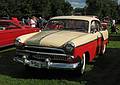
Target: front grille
[(50, 57), (42, 53), (44, 49)]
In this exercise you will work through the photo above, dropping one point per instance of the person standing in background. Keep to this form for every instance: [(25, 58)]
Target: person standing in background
[(114, 29), (33, 21), (28, 21), (23, 20), (113, 21)]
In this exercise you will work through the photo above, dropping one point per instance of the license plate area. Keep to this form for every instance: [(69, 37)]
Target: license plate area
[(37, 64)]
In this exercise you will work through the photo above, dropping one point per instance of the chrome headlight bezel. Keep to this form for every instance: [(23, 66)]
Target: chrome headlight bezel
[(18, 42), (69, 47)]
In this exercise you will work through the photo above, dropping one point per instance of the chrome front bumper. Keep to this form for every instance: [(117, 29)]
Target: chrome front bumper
[(47, 64)]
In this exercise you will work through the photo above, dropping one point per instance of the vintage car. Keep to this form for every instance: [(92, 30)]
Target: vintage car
[(67, 42), (11, 29)]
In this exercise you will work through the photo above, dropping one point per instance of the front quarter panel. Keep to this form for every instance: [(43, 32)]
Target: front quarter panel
[(87, 43)]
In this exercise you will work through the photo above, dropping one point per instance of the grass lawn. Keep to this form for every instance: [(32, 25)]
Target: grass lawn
[(104, 71), (114, 44)]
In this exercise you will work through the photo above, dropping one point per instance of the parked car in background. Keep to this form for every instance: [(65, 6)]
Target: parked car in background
[(10, 29), (67, 42)]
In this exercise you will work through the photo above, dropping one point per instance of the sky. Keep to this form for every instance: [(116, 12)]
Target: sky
[(118, 1), (80, 3), (77, 3)]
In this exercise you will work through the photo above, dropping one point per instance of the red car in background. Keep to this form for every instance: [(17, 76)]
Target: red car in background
[(10, 29)]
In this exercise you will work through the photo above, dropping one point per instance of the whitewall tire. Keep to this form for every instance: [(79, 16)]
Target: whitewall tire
[(104, 49), (83, 64)]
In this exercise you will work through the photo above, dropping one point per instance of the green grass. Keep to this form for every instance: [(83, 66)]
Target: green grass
[(114, 39), (114, 44), (12, 81), (104, 71)]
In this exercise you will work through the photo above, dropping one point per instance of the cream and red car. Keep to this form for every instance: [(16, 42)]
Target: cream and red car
[(66, 42)]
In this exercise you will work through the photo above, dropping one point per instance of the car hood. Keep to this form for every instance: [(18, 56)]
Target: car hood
[(53, 38)]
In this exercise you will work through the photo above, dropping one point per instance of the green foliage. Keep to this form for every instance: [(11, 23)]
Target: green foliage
[(80, 11), (43, 8), (67, 9), (102, 8)]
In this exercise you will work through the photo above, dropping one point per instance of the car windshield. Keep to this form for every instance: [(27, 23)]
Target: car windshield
[(67, 24)]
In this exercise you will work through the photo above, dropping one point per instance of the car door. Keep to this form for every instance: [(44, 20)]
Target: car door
[(9, 31), (12, 30), (96, 31), (4, 38), (5, 33)]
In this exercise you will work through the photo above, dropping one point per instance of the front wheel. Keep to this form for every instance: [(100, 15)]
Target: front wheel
[(83, 64), (103, 49)]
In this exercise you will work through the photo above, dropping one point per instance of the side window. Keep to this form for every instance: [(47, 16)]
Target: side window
[(95, 26), (98, 26)]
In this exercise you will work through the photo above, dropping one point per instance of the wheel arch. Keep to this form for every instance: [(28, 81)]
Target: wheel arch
[(87, 56)]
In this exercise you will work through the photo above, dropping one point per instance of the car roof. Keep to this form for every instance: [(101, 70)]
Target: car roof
[(88, 18)]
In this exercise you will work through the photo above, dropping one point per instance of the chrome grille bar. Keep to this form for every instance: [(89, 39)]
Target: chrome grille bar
[(44, 49), (42, 55), (28, 51)]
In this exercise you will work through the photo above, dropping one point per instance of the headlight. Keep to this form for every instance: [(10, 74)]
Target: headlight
[(18, 42), (69, 47)]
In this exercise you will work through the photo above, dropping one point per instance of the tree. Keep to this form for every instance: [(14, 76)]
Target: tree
[(79, 11), (67, 8), (22, 8), (102, 8)]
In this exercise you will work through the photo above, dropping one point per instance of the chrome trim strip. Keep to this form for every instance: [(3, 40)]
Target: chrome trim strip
[(46, 48), (27, 51)]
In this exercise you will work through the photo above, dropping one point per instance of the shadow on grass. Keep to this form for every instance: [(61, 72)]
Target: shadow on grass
[(105, 71)]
